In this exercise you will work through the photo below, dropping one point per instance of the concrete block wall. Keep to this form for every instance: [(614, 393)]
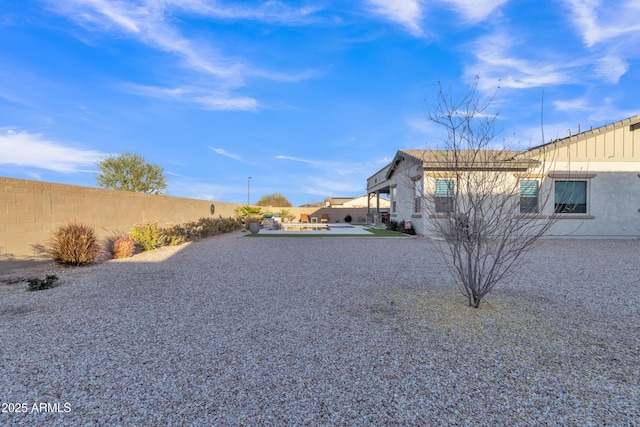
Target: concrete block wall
[(31, 210)]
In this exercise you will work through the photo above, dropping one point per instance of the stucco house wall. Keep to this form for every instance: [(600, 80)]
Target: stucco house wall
[(606, 158)]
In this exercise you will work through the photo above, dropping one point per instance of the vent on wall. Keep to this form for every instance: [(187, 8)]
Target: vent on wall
[(634, 126)]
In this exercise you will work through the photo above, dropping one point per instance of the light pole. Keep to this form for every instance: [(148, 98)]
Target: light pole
[(249, 191)]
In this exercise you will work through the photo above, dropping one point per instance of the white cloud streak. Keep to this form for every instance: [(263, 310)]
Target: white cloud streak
[(475, 10), (228, 154), (336, 168), (333, 168), (614, 29), (327, 187), (205, 97), (147, 24), (576, 104), (410, 13), (34, 150), (150, 22), (298, 159), (495, 63), (611, 67), (407, 13), (269, 11), (598, 20)]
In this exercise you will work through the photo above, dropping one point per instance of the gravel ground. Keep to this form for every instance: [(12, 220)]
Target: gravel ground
[(321, 331)]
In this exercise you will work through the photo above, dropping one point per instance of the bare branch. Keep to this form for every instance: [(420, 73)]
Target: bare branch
[(484, 202)]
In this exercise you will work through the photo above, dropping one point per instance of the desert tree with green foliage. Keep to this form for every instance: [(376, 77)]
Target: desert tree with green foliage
[(131, 172), (275, 199)]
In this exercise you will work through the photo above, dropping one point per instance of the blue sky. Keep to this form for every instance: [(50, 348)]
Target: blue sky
[(309, 98)]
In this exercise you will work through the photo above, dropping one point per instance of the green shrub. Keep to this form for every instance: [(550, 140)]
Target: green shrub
[(75, 244), (193, 230), (36, 284), (212, 226), (148, 235), (177, 234), (122, 247), (225, 225)]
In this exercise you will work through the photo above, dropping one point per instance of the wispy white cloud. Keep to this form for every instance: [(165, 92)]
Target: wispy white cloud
[(474, 10), (411, 13), (499, 57), (213, 102), (589, 112), (327, 187), (34, 150), (612, 30), (334, 167), (422, 125), (205, 97), (499, 62), (16, 100), (228, 154), (298, 159), (407, 13), (269, 11), (611, 67), (147, 24), (598, 21), (576, 104), (151, 23)]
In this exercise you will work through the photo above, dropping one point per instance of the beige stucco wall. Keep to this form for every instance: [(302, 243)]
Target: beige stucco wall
[(613, 208), (613, 198), (403, 182), (608, 158), (31, 210)]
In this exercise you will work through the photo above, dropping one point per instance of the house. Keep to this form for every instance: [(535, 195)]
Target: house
[(588, 182), (363, 201)]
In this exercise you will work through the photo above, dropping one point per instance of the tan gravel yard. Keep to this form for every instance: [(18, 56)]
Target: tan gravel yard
[(325, 331)]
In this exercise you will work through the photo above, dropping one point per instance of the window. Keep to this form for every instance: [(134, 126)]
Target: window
[(570, 197), (417, 196), (393, 199), (528, 196), (444, 195)]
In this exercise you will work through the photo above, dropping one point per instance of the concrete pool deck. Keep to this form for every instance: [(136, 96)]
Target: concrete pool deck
[(338, 228)]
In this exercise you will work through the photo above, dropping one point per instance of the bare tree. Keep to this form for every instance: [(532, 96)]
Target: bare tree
[(483, 200)]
